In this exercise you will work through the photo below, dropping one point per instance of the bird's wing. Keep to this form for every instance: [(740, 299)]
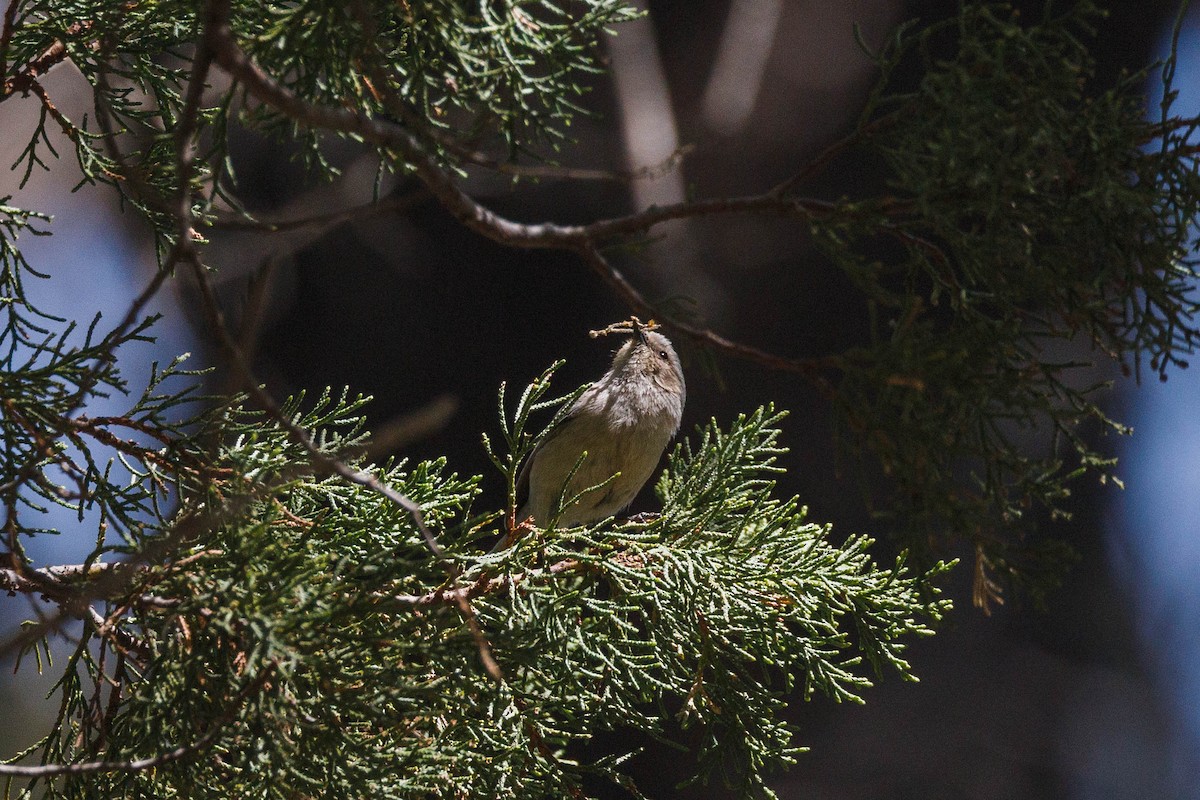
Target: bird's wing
[(523, 476)]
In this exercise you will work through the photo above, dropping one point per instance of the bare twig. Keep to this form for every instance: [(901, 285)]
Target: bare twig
[(13, 581), (86, 423), (69, 130), (65, 583), (113, 580), (486, 656), (185, 145), (649, 172), (250, 324)]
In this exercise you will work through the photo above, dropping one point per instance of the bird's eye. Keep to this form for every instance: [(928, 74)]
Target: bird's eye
[(662, 353)]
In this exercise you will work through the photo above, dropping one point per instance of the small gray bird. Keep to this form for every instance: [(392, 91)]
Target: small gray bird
[(623, 422)]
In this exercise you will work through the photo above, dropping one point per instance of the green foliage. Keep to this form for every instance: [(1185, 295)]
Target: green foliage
[(463, 74), (470, 69), (116, 467), (304, 626), (1033, 212), (251, 625)]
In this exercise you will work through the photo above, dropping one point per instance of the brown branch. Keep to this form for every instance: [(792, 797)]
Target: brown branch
[(250, 325), (241, 222), (583, 239), (649, 172), (92, 428), (483, 585), (114, 580), (230, 57), (812, 368), (59, 574), (216, 36), (486, 656), (61, 583), (185, 146), (237, 359), (23, 81), (69, 130), (84, 421)]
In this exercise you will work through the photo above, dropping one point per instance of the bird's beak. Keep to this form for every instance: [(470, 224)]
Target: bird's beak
[(641, 333)]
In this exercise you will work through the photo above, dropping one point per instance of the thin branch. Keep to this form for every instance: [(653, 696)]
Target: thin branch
[(486, 656), (812, 368), (127, 446), (60, 574), (250, 325), (216, 39), (649, 172), (185, 144), (64, 124), (579, 238), (484, 584), (22, 82), (240, 222), (466, 209), (322, 460), (87, 423), (112, 581), (643, 221)]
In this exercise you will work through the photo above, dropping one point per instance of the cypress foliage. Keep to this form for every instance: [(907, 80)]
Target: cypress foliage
[(265, 613)]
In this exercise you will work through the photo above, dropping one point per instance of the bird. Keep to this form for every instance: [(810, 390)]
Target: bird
[(623, 422)]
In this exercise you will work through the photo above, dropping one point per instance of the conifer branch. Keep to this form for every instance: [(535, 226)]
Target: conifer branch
[(258, 538), (583, 239), (142, 764)]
